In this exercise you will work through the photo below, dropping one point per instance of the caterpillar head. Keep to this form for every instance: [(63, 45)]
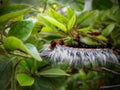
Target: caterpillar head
[(61, 42), (54, 43)]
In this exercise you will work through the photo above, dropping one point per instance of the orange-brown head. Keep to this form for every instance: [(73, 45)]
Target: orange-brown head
[(52, 44), (61, 42)]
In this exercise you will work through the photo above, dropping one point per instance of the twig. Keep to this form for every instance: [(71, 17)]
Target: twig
[(1, 41), (105, 70), (112, 86), (25, 56), (14, 69), (45, 6), (119, 3), (110, 71)]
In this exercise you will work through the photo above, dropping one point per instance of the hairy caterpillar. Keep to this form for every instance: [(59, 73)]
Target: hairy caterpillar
[(57, 51)]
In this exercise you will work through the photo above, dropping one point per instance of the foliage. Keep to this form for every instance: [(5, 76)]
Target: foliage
[(22, 39)]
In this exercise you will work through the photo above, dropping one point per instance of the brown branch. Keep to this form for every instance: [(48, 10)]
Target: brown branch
[(1, 41), (109, 71), (112, 86), (105, 70)]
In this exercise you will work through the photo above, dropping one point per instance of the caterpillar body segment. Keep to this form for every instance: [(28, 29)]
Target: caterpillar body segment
[(59, 52)]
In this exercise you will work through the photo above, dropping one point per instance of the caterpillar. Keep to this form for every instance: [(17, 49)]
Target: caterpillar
[(58, 51)]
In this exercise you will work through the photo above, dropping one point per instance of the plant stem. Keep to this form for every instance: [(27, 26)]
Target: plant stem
[(34, 68), (13, 85), (119, 3), (25, 56), (45, 6), (14, 68), (112, 86), (105, 70), (109, 71)]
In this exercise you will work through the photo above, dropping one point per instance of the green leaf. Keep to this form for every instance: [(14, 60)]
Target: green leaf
[(37, 27), (24, 79), (48, 31), (13, 11), (49, 83), (84, 16), (43, 21), (102, 5), (116, 14), (92, 74), (19, 18), (52, 37), (21, 29), (71, 22), (108, 29), (102, 16), (53, 72), (89, 41), (26, 64), (42, 83), (87, 18), (50, 34), (101, 37), (5, 72), (82, 75), (54, 22), (57, 16), (33, 51), (13, 43), (85, 29), (115, 35), (69, 13)]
